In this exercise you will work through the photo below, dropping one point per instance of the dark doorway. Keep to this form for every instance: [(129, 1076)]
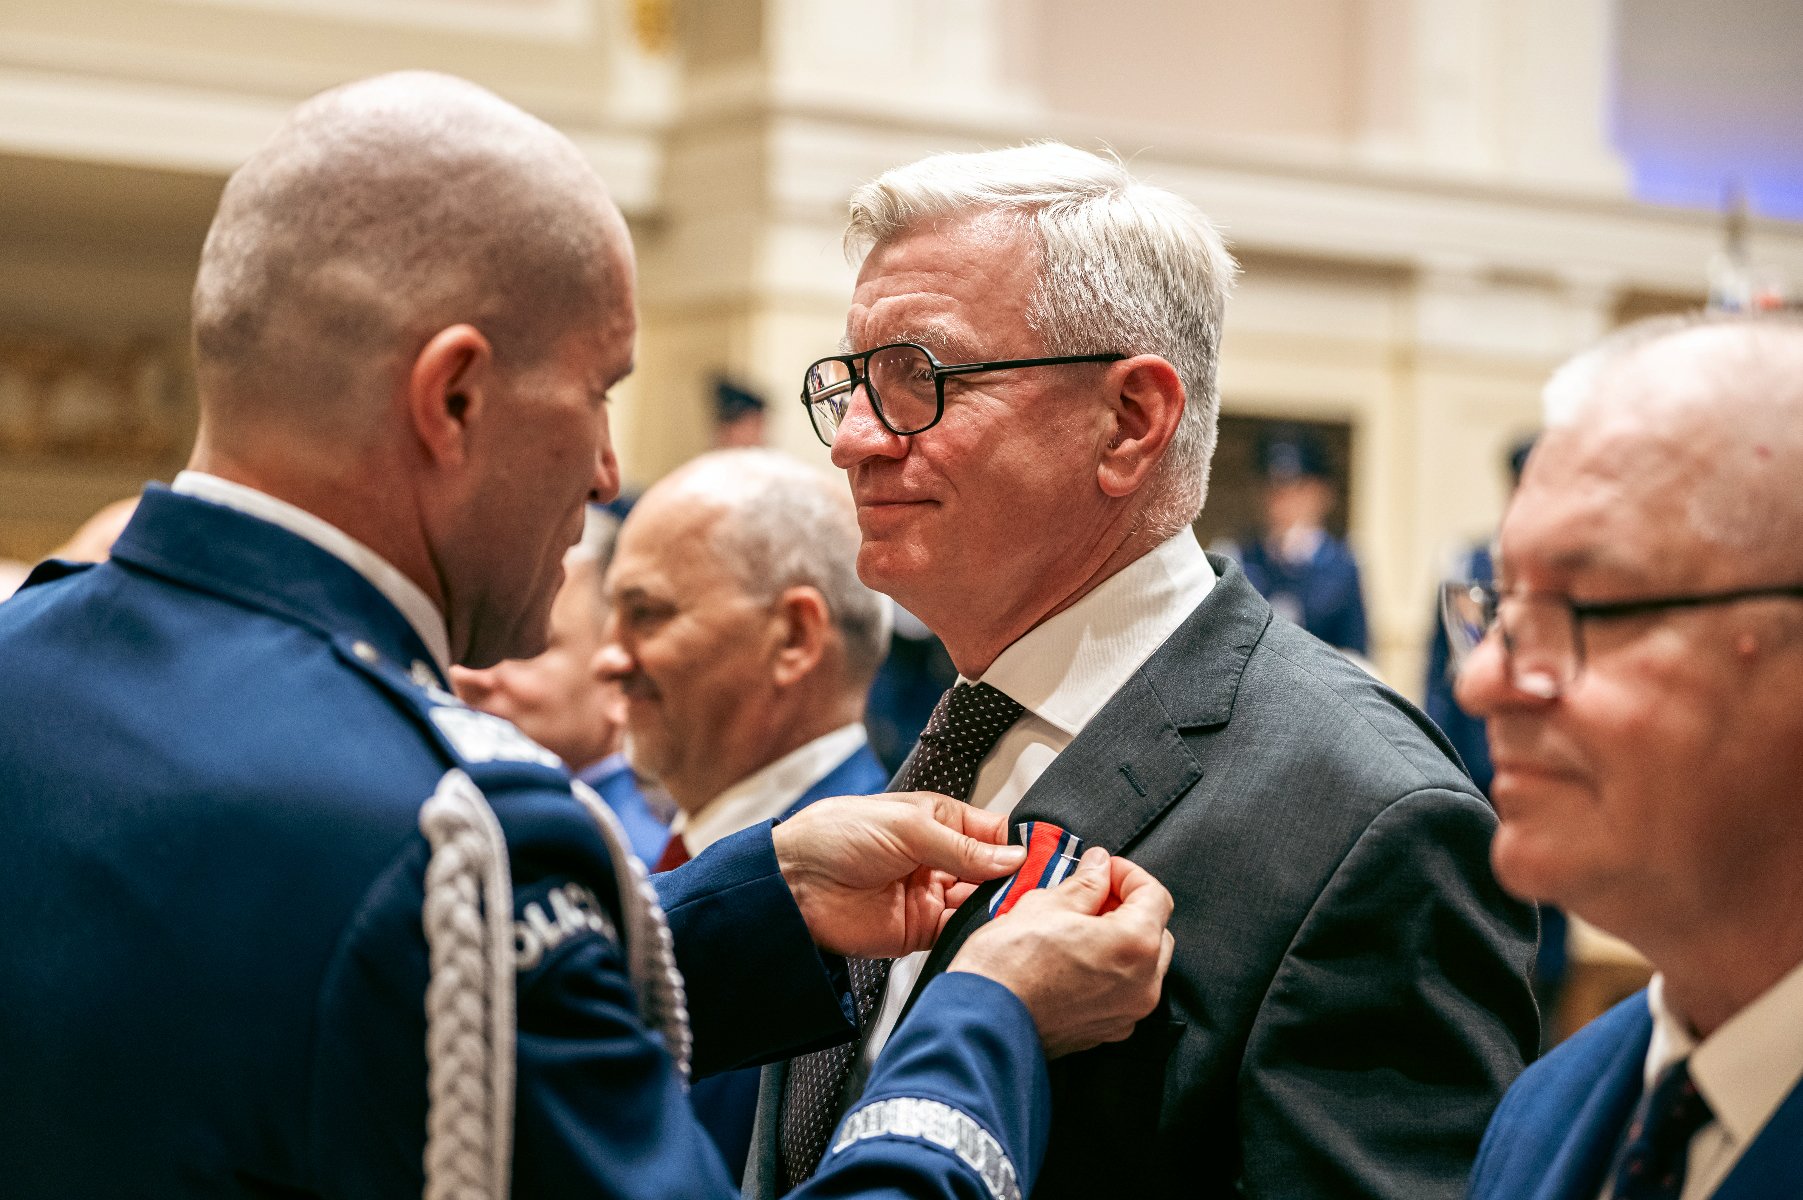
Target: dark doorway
[(1235, 508)]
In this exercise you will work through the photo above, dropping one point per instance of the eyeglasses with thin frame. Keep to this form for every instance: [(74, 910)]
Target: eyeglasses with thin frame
[(905, 383), (1543, 633)]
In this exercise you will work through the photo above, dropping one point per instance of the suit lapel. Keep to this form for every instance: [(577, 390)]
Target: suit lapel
[(1593, 1135), (1769, 1167), (1131, 762), (859, 775)]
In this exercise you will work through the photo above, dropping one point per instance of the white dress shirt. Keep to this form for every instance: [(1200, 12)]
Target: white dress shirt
[(767, 792), (401, 591), (1063, 671), (1744, 1070)]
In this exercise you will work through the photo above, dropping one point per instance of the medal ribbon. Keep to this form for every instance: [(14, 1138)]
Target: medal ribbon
[(1052, 854)]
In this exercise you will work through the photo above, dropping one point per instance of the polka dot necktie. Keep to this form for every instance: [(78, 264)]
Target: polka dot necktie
[(965, 726), (1653, 1158)]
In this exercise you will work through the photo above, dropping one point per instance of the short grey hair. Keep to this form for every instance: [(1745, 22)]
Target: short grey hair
[(785, 524), (1124, 267), (381, 212), (1745, 385)]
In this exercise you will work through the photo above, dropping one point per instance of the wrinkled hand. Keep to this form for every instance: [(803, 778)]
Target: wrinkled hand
[(1087, 957), (876, 876)]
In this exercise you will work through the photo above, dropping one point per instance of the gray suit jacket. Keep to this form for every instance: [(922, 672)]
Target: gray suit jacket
[(1349, 994)]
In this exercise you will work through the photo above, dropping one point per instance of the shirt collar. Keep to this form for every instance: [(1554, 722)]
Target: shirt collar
[(767, 792), (1744, 1069), (400, 591), (1067, 667)]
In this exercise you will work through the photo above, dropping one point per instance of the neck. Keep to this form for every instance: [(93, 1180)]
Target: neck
[(786, 728), (1724, 966), (976, 630), (352, 493)]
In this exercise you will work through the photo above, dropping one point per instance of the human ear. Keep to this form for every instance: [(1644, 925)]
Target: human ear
[(803, 624), (447, 391), (1145, 404)]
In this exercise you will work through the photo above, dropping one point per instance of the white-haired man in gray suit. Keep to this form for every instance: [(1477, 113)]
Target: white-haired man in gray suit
[(1026, 410)]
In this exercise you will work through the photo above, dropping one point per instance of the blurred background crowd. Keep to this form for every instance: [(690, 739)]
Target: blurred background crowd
[(1434, 202)]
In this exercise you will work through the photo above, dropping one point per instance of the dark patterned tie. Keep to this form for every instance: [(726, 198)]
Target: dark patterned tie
[(1653, 1158), (965, 726)]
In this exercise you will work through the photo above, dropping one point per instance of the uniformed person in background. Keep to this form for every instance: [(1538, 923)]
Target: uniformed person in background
[(241, 957), (1308, 574)]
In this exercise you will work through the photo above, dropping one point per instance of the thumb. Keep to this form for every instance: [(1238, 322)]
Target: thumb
[(1085, 889), (960, 855)]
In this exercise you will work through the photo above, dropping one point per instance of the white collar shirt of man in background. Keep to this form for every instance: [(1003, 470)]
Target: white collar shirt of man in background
[(1063, 671), (1744, 1071), (401, 591), (767, 792)]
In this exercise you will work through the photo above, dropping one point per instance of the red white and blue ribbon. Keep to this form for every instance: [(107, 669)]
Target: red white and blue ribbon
[(1051, 855)]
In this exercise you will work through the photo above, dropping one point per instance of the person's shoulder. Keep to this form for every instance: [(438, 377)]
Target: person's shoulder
[(1601, 1061), (1295, 680)]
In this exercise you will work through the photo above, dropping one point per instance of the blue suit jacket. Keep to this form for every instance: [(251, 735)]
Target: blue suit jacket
[(614, 781), (1557, 1130), (726, 1104), (213, 752)]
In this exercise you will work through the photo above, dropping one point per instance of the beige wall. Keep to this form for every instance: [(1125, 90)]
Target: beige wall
[(1421, 189)]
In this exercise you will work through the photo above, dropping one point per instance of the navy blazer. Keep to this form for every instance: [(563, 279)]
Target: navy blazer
[(726, 1104), (1557, 1130), (213, 753)]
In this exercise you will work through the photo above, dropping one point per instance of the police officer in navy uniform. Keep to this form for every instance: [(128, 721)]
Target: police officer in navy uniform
[(1307, 574), (287, 919)]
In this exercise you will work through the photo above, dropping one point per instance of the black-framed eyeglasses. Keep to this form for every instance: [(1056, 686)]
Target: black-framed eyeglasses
[(1543, 633), (905, 383)]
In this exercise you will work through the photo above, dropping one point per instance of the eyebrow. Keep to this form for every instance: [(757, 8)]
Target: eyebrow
[(1575, 561), (946, 346)]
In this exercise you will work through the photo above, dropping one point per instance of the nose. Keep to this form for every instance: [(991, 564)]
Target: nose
[(607, 467), (612, 662), (1486, 684), (861, 436), (473, 687)]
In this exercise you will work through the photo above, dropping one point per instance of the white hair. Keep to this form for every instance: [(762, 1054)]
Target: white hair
[(785, 525), (1124, 267), (1739, 389)]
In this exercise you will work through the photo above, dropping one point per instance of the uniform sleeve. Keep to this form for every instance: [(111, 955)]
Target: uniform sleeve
[(1397, 1018), (958, 1105), (758, 988), (598, 1107)]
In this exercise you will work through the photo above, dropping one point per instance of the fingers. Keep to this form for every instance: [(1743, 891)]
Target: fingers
[(1084, 891), (1139, 893), (932, 843), (955, 814)]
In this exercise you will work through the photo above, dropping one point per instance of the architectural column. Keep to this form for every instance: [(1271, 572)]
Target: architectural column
[(784, 107), (1493, 90)]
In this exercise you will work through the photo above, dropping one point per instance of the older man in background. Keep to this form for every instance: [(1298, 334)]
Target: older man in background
[(745, 646), (1026, 408), (1640, 664), (556, 699)]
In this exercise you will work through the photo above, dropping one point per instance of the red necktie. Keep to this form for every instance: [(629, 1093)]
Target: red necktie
[(676, 852)]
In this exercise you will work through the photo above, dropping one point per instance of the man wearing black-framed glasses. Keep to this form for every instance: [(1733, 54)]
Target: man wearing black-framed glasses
[(1639, 662), (1025, 406)]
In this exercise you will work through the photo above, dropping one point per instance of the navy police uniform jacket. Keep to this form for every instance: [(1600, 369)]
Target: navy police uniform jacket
[(213, 753), (1322, 595)]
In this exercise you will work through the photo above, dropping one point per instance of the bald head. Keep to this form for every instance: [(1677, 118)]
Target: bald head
[(776, 524), (379, 213), (1712, 408)]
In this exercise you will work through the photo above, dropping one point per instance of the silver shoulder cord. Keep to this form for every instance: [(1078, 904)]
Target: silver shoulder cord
[(470, 1023)]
